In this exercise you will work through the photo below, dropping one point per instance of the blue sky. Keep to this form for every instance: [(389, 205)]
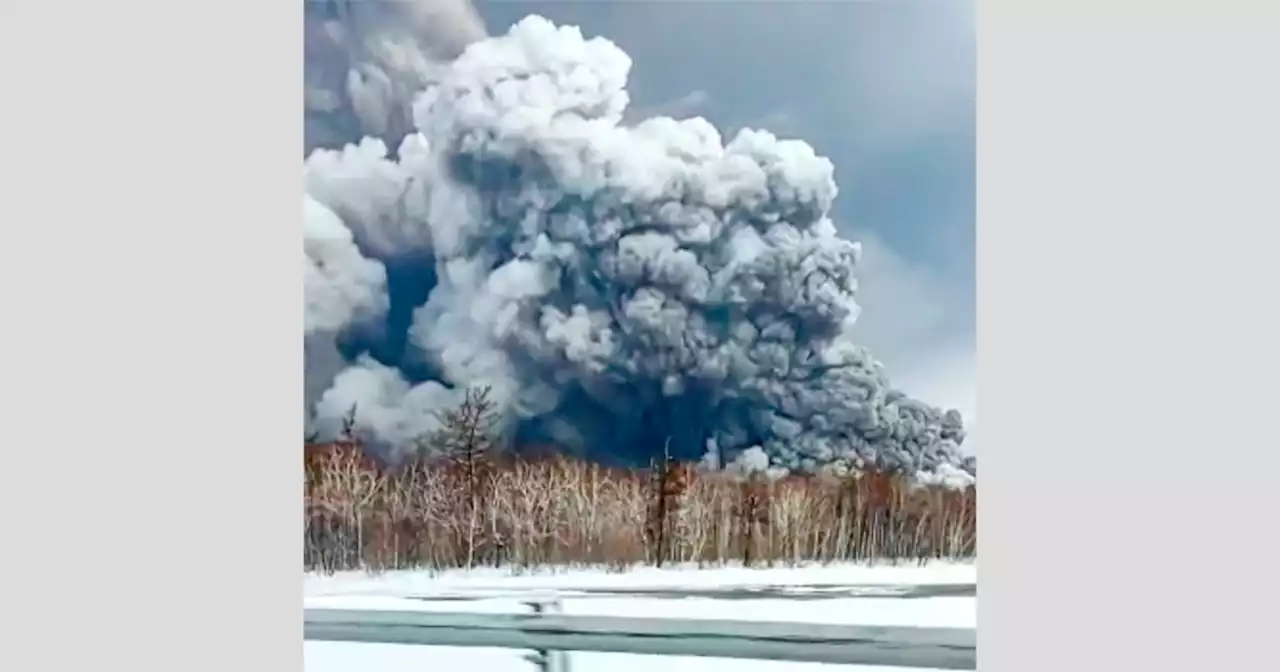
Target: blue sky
[(886, 90)]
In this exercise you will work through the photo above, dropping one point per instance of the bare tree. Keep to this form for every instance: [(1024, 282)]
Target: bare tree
[(668, 482), (752, 513), (343, 486), (469, 438)]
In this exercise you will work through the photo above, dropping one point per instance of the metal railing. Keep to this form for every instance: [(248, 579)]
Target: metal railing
[(548, 632)]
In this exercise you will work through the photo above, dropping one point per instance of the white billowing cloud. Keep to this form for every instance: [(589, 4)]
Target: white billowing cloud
[(341, 285), (385, 405)]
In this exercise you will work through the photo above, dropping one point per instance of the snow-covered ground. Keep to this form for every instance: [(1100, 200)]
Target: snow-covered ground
[(840, 594)]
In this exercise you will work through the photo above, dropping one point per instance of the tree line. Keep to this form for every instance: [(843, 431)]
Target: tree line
[(465, 503)]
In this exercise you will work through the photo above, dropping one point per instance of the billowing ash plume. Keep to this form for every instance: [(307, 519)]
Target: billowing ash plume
[(620, 287), (367, 59)]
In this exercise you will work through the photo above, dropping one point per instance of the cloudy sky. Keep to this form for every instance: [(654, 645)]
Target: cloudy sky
[(886, 90)]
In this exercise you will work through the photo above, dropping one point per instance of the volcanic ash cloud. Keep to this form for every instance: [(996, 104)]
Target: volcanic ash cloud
[(620, 287)]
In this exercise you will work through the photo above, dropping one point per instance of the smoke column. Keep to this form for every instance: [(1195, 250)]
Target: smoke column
[(619, 287)]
